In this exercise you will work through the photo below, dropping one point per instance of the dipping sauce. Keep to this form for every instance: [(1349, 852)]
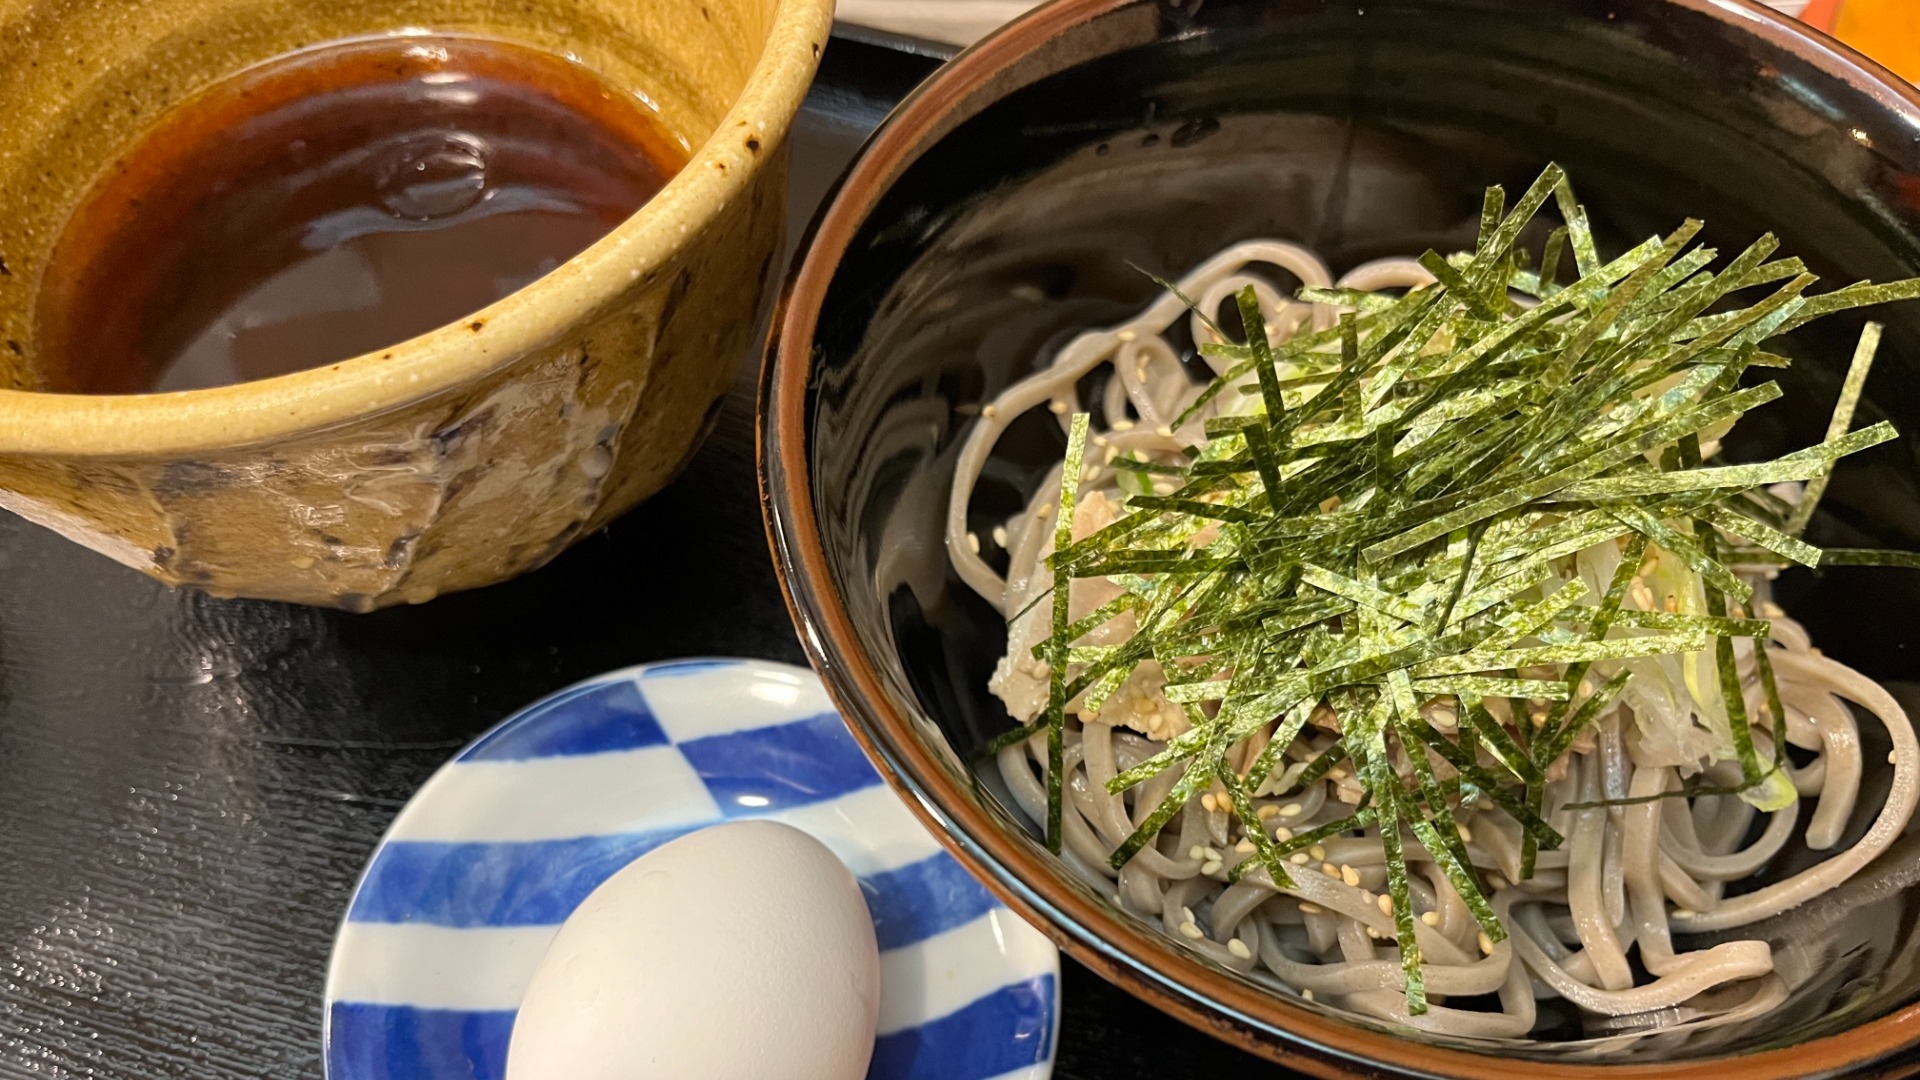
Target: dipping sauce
[(336, 201)]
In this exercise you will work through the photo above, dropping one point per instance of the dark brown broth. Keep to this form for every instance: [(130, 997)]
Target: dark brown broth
[(337, 201)]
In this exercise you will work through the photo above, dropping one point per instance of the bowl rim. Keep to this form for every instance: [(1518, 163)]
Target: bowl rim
[(1132, 955), (719, 173)]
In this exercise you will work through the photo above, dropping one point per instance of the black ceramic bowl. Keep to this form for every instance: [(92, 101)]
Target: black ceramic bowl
[(997, 212)]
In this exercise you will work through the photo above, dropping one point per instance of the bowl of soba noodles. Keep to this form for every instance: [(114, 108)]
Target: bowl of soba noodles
[(1388, 529)]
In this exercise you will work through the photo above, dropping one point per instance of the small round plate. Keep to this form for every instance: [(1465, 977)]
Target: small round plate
[(476, 875)]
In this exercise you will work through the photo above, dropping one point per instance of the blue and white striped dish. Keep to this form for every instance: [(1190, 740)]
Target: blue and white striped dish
[(476, 875)]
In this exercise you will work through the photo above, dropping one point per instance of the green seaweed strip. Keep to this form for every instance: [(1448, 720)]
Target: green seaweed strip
[(1850, 392), (1011, 738), (1690, 552), (1323, 763), (1442, 840), (1613, 488), (1764, 664), (1255, 325), (1550, 261), (1552, 690), (1263, 846), (1859, 294), (1461, 875), (1387, 811), (1869, 557), (1197, 776), (1549, 748), (1360, 593), (1496, 790), (1585, 255), (1731, 695), (1474, 717), (1493, 207), (1359, 819), (1467, 570), (1283, 737), (1780, 543), (1087, 624), (1455, 283), (1062, 644)]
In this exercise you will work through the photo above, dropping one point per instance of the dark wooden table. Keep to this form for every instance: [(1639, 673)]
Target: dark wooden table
[(189, 786)]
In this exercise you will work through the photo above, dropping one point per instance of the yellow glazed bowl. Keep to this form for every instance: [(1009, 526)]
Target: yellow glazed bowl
[(456, 459)]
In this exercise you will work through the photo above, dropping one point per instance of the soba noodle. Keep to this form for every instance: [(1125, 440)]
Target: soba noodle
[(1594, 925)]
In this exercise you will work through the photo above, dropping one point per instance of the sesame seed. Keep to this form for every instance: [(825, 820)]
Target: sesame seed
[(1772, 610), (1283, 834), (1000, 535), (1317, 852), (1197, 851), (1266, 812), (1893, 757), (1336, 774), (1496, 882), (1307, 908), (1385, 903), (1127, 335), (1211, 867), (1308, 994), (1486, 943), (1164, 431), (1243, 846), (1119, 901), (1207, 801), (1122, 425), (1431, 918), (1673, 604), (1239, 949), (1329, 869), (1058, 408), (1192, 931), (1682, 913), (973, 543), (1375, 934), (1329, 505), (1298, 858), (1349, 875), (990, 411), (1466, 834), (1292, 809)]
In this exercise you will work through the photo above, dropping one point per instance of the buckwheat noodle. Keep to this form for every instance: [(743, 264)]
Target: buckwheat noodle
[(1628, 876)]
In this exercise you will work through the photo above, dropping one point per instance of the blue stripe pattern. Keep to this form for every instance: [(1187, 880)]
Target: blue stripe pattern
[(793, 761), (394, 1042), (925, 898), (776, 768), (387, 1042), (599, 717), (973, 1043)]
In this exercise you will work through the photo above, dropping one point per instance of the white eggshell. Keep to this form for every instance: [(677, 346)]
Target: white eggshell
[(740, 952)]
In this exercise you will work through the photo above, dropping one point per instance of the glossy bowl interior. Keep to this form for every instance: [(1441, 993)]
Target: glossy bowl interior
[(997, 213)]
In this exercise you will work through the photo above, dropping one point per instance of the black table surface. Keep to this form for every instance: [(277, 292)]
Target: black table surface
[(189, 786)]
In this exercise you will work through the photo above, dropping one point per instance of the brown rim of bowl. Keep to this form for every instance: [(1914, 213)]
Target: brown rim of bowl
[(1131, 955)]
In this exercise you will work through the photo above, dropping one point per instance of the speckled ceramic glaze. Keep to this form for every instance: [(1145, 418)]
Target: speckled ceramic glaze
[(1001, 210), (458, 458)]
